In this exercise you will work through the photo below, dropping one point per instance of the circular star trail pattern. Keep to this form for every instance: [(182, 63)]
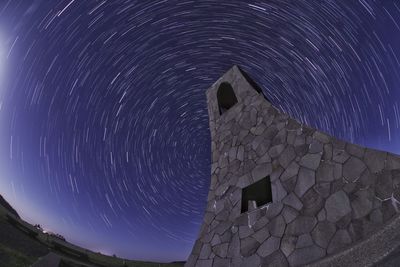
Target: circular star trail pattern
[(103, 116)]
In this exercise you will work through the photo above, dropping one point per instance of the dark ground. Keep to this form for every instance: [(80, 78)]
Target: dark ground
[(18, 249)]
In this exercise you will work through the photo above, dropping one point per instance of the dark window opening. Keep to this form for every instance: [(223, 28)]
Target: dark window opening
[(226, 97), (257, 194)]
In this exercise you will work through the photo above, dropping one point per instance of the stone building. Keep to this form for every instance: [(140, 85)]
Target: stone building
[(282, 193)]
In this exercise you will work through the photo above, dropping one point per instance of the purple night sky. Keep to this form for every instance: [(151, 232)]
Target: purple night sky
[(104, 132)]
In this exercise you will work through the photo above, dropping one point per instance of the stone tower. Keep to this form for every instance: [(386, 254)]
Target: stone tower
[(282, 193)]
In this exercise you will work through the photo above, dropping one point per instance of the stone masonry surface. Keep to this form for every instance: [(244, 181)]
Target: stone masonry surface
[(327, 194)]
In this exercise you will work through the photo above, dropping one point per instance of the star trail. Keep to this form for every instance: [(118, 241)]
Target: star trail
[(103, 119)]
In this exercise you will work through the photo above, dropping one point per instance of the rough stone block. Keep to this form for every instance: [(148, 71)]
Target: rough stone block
[(396, 193), (355, 150), (322, 137), (234, 246), (384, 185), (338, 171), (204, 263), (306, 255), (223, 215), (375, 160), (232, 153), (315, 147), (221, 189), (278, 191), (337, 206), (226, 237), (245, 231), (262, 149), (243, 181), (256, 142), (253, 217), (276, 173), (261, 234), (321, 215), (323, 233), (376, 216), (206, 237), (280, 138), (270, 132), (291, 137), (205, 251), (269, 246), (288, 244), (259, 129), (362, 204), (290, 171), (289, 214), (392, 162), (325, 172), (327, 154), (290, 184), (301, 150), (312, 203), (353, 168), (261, 171), (337, 185), (301, 225), (253, 260), (305, 181), (388, 210), (275, 259), (349, 188), (311, 161), (242, 134), (273, 210), (323, 189), (292, 124), (340, 240), (219, 262), (276, 150), (396, 177), (287, 156), (222, 227), (221, 250), (260, 223), (344, 222), (339, 155), (191, 261), (240, 153), (277, 226), (293, 201), (304, 240), (248, 246), (264, 159), (219, 205)]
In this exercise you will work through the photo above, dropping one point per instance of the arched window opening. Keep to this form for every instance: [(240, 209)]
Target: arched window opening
[(226, 97)]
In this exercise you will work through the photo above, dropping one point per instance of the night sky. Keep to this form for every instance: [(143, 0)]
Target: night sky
[(104, 134)]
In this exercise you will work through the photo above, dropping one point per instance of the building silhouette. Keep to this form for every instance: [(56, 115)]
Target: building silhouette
[(285, 194)]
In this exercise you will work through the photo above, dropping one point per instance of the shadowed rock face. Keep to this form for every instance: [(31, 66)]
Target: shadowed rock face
[(326, 194), (8, 207)]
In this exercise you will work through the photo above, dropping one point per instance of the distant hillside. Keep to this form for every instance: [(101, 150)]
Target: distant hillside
[(7, 206)]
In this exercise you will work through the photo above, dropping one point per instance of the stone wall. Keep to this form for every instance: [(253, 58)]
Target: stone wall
[(326, 194)]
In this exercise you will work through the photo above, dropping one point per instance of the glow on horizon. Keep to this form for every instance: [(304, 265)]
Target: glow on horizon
[(34, 215)]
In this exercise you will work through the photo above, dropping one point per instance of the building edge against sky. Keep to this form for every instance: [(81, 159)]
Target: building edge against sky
[(282, 193)]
